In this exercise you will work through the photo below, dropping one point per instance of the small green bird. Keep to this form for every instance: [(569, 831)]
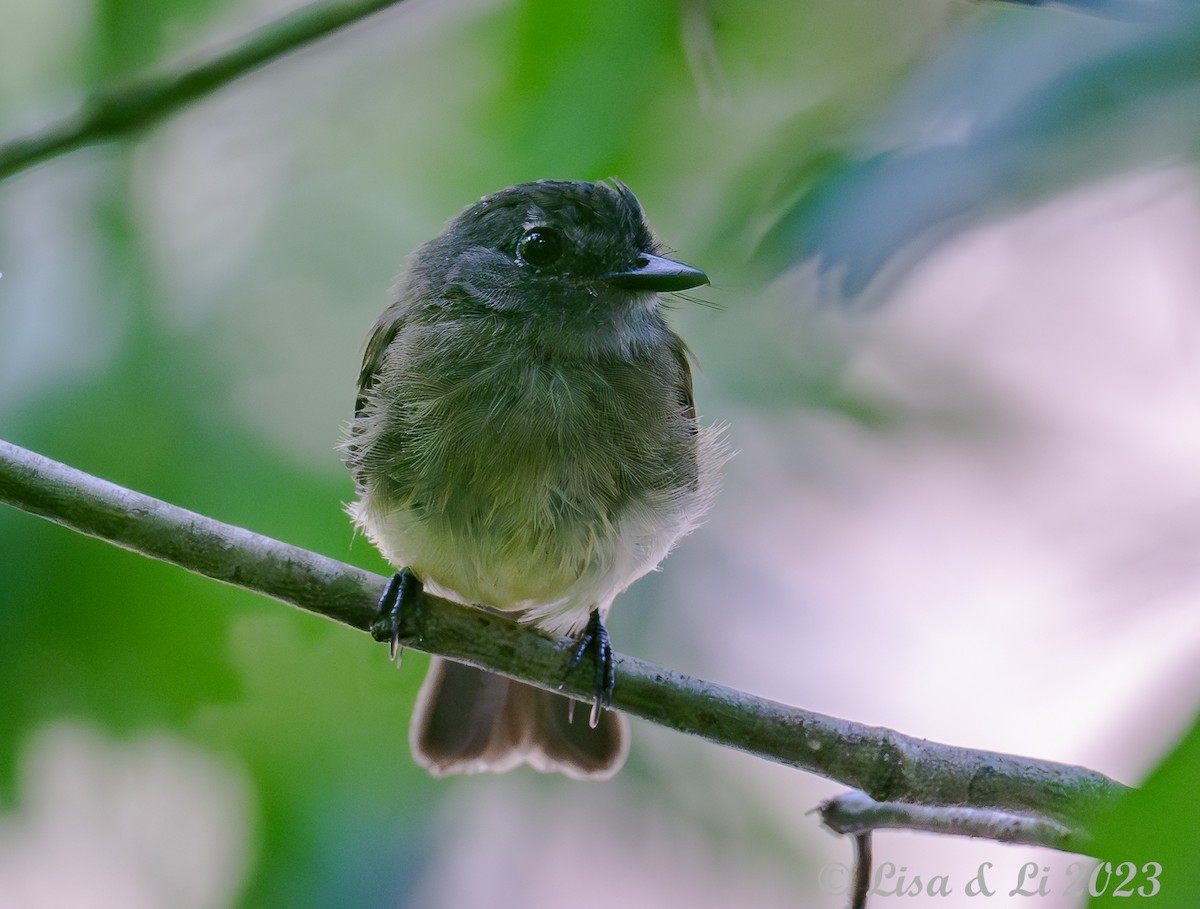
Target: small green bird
[(525, 440)]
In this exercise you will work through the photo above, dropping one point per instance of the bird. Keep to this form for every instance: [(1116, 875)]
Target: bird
[(525, 440)]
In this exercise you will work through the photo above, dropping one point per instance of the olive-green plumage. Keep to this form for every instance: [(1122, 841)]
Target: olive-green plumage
[(525, 439)]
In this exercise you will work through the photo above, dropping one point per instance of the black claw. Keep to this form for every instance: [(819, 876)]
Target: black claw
[(595, 641), (400, 603)]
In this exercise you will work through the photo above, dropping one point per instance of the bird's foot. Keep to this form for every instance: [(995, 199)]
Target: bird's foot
[(401, 602), (595, 641)]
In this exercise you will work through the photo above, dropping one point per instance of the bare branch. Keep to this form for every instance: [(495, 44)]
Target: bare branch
[(857, 814), (862, 871), (887, 765), (1149, 12), (123, 109)]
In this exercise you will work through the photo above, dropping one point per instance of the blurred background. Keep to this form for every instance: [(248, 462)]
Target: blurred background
[(953, 333)]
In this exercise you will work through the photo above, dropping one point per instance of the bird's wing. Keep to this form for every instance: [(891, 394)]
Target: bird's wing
[(687, 406), (683, 380), (381, 336)]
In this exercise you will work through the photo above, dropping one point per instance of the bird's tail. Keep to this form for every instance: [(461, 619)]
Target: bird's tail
[(471, 721)]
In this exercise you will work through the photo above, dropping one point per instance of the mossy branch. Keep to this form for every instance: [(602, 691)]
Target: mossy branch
[(886, 765)]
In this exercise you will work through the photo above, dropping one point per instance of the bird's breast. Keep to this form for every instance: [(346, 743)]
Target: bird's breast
[(528, 483)]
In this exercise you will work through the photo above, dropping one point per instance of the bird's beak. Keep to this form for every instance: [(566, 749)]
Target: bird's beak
[(656, 273)]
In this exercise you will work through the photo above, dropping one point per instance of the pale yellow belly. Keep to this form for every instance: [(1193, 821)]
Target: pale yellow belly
[(553, 579)]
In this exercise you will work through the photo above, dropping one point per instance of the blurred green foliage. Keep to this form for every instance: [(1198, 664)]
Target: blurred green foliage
[(1152, 831)]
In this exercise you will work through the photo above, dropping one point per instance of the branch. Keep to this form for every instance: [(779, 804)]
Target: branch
[(1149, 12), (857, 814), (885, 764), (122, 109), (862, 871)]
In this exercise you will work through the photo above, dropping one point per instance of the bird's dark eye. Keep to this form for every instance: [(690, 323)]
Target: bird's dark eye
[(540, 246)]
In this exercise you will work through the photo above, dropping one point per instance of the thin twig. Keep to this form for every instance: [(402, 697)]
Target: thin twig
[(123, 109), (886, 764), (862, 870), (1148, 12), (855, 813)]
